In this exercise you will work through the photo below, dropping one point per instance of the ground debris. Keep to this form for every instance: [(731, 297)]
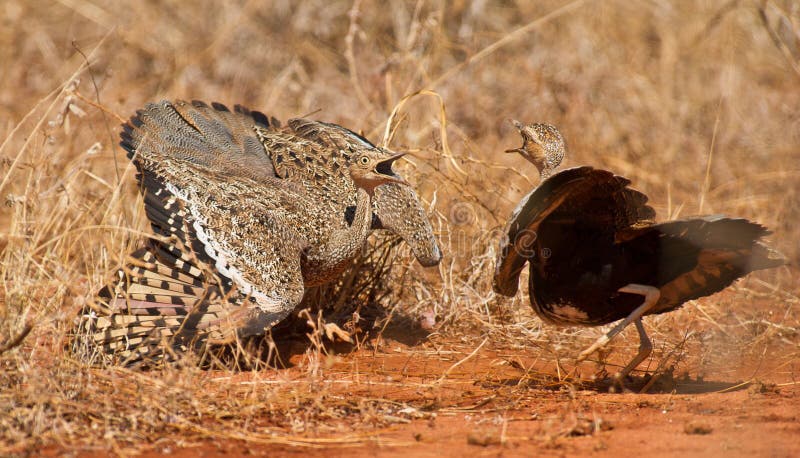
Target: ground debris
[(697, 428), (484, 439), (759, 387), (588, 427)]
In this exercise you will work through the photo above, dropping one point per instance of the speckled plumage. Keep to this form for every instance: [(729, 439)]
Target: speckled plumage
[(542, 145), (237, 245), (594, 251), (315, 154)]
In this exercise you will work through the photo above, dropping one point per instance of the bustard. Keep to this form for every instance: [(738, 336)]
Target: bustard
[(315, 154), (236, 246), (597, 256)]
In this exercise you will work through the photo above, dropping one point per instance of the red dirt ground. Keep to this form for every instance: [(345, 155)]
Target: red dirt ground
[(487, 406)]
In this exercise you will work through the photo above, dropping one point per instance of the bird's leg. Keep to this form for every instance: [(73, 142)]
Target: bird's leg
[(651, 296), (645, 348)]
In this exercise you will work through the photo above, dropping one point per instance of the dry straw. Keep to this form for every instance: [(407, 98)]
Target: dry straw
[(643, 88)]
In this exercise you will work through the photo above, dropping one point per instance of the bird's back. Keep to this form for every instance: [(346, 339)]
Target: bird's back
[(206, 135), (595, 235), (570, 204)]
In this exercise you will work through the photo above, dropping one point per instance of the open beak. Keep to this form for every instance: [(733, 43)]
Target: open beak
[(516, 123), (521, 150), (384, 169)]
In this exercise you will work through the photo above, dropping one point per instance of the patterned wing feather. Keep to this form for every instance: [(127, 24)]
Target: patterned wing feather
[(145, 313), (210, 136), (225, 261), (178, 293)]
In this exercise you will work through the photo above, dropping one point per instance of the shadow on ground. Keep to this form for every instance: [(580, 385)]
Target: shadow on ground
[(658, 383), (293, 337)]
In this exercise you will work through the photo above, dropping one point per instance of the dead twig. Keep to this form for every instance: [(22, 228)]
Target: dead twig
[(16, 341), (460, 362)]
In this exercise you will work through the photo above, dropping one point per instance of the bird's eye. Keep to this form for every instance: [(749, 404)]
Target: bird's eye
[(364, 160)]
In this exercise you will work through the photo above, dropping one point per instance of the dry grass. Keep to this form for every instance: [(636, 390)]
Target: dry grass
[(696, 102)]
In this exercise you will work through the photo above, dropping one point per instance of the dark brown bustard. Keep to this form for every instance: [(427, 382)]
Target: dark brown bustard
[(236, 244), (597, 256)]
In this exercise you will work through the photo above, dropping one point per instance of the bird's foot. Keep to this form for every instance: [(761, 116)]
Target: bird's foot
[(599, 343), (333, 331)]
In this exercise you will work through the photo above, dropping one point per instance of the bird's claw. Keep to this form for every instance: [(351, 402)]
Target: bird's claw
[(601, 342), (333, 331)]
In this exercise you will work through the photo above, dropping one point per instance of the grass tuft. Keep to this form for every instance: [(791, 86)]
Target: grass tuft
[(695, 102)]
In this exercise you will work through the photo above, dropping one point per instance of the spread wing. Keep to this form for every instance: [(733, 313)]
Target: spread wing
[(521, 229), (226, 259), (214, 273), (595, 197), (209, 136)]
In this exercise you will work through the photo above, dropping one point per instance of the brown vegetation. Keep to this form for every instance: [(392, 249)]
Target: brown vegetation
[(695, 102)]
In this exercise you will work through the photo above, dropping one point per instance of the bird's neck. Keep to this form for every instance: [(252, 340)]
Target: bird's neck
[(362, 220), (325, 262)]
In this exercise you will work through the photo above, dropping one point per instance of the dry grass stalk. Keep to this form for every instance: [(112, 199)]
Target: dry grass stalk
[(635, 87)]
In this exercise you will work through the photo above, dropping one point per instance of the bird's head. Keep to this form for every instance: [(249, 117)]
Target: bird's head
[(542, 144), (371, 168)]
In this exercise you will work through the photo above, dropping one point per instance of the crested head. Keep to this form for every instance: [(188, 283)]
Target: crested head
[(542, 145), (371, 168)]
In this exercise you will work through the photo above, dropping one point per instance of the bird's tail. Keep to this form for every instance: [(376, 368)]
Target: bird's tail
[(741, 240), (703, 255), (765, 257), (157, 307)]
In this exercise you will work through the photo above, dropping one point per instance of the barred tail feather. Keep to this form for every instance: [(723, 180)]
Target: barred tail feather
[(155, 310), (171, 295)]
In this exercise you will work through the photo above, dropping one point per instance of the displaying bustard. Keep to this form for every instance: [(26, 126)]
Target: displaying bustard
[(313, 154), (597, 256), (236, 245), (316, 154)]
